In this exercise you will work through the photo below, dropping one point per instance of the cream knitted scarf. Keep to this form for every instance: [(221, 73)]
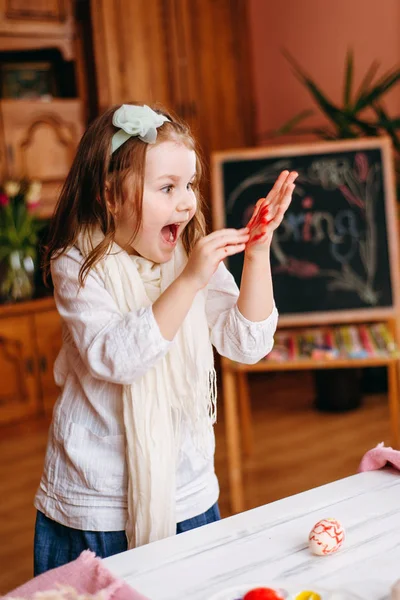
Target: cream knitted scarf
[(179, 389)]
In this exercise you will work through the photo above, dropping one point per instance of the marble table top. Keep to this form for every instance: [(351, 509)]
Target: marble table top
[(269, 546)]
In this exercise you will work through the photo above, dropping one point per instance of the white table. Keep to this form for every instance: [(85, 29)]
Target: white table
[(269, 545)]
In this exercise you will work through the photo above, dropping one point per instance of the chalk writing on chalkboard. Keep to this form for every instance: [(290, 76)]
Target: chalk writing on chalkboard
[(331, 252)]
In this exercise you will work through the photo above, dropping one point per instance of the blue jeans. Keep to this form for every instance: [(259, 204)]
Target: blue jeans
[(55, 544)]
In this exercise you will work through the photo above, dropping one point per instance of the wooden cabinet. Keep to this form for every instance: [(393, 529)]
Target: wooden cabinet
[(39, 141), (30, 24), (191, 55), (18, 370), (30, 338), (45, 10)]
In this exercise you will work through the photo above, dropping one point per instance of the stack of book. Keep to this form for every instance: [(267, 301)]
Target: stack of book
[(335, 342)]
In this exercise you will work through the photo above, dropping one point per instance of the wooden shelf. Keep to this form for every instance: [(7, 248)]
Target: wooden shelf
[(30, 306), (309, 364), (33, 24)]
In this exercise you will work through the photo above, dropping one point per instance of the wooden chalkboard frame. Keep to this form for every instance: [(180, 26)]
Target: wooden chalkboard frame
[(380, 143)]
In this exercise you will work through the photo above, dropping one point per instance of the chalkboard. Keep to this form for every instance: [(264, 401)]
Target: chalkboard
[(335, 253)]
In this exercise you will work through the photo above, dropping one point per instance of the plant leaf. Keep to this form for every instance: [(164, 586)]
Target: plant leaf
[(348, 81), (394, 123), (293, 122), (372, 95), (366, 127), (367, 80)]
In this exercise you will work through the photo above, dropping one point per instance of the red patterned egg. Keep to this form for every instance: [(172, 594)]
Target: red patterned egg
[(326, 537)]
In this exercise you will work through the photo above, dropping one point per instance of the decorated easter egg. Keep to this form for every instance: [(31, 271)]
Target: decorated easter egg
[(262, 593), (326, 537)]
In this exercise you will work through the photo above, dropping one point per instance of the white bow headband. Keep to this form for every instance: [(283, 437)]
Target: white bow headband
[(132, 120)]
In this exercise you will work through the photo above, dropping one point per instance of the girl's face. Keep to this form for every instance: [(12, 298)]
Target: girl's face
[(169, 203)]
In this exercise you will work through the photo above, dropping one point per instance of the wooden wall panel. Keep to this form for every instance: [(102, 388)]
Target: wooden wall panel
[(129, 51), (188, 54)]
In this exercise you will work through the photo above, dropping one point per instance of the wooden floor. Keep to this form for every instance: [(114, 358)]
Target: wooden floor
[(296, 448)]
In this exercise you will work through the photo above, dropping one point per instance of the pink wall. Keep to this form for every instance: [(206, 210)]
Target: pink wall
[(317, 33)]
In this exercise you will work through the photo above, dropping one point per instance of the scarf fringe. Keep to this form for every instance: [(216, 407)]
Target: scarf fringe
[(213, 396)]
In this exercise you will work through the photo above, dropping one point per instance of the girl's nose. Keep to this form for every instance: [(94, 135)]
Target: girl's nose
[(186, 202)]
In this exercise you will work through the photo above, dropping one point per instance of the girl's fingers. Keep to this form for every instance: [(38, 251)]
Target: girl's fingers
[(282, 208), (287, 197), (223, 233), (230, 251), (287, 185), (277, 186), (227, 240), (289, 181), (269, 199)]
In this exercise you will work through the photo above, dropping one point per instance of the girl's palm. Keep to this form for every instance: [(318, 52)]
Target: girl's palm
[(268, 212)]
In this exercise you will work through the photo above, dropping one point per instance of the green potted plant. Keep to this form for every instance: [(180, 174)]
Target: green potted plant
[(19, 229), (361, 113)]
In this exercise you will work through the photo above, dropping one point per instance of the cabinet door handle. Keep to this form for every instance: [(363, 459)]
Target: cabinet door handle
[(10, 154), (29, 365), (43, 364)]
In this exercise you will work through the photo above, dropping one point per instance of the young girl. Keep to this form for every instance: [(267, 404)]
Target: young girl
[(143, 295)]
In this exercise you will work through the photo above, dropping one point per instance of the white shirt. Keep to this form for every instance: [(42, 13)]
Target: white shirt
[(84, 483)]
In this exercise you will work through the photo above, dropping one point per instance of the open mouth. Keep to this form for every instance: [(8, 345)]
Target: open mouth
[(170, 233)]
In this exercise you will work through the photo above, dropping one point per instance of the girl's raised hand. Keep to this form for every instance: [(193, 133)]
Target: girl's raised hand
[(210, 251), (268, 212)]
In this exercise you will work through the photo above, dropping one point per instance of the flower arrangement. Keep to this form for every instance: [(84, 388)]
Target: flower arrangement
[(19, 229)]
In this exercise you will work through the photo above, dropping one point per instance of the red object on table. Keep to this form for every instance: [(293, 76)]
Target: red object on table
[(262, 594)]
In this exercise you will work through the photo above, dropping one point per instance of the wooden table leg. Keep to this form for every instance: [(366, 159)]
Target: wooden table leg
[(393, 396), (245, 413), (232, 430)]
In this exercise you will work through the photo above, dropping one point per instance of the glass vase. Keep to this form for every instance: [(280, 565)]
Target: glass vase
[(17, 277)]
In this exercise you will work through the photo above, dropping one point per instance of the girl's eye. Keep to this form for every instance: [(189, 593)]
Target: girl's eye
[(167, 189), (190, 186)]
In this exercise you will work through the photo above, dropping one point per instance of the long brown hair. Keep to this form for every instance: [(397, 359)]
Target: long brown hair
[(83, 204)]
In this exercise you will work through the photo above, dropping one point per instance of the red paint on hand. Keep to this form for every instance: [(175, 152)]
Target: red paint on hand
[(260, 220)]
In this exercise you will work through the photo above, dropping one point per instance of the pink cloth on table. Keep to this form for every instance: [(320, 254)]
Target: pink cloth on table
[(379, 457), (86, 575)]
